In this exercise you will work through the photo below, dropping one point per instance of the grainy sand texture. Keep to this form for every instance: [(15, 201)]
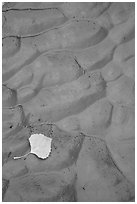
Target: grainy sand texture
[(68, 72)]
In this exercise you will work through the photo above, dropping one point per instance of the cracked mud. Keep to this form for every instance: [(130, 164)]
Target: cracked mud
[(68, 72)]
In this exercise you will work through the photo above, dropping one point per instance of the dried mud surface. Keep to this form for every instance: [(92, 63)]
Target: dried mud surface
[(68, 73)]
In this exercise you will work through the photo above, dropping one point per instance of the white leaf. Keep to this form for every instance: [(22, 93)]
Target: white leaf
[(40, 145)]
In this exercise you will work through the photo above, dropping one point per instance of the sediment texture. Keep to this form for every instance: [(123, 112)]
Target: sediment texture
[(69, 73)]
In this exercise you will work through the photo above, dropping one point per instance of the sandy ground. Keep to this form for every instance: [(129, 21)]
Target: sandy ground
[(69, 73)]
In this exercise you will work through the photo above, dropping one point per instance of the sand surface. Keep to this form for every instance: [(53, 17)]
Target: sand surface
[(68, 72)]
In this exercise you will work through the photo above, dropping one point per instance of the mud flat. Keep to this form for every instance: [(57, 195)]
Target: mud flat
[(68, 72)]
